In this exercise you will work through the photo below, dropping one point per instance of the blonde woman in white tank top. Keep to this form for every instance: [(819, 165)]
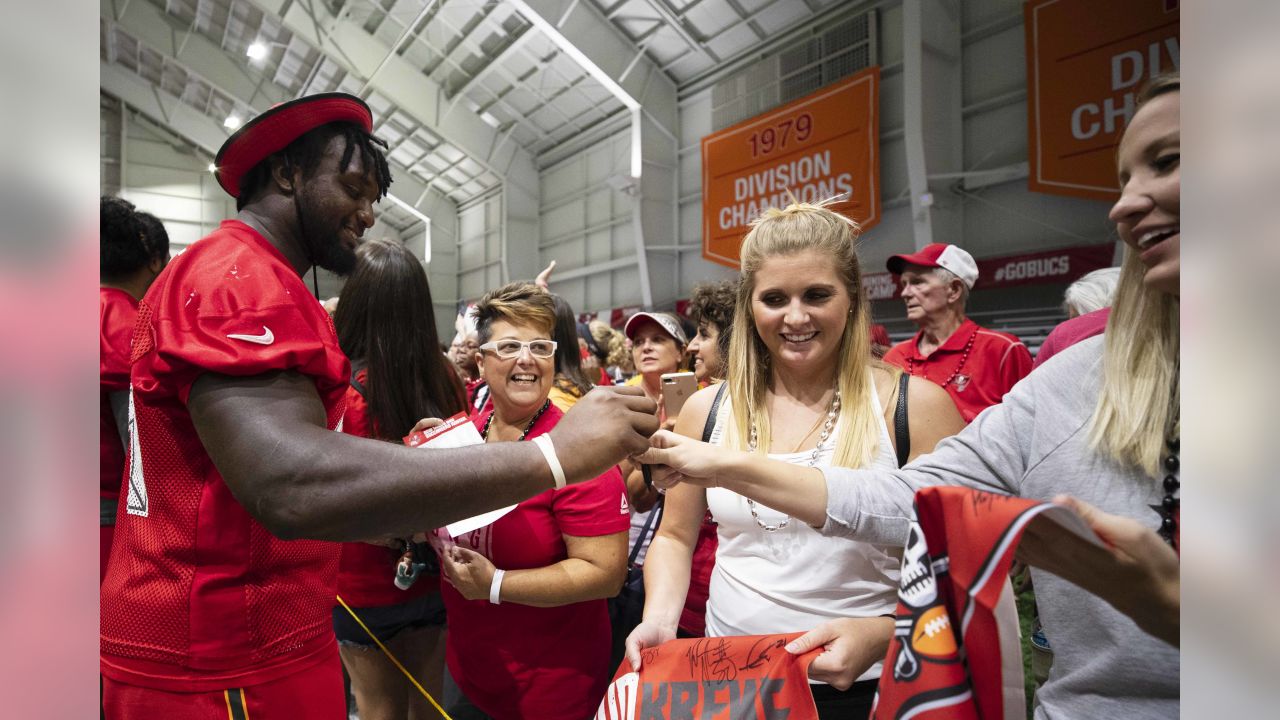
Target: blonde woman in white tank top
[(802, 387)]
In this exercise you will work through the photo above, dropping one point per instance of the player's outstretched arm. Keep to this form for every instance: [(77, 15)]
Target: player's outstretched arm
[(267, 436)]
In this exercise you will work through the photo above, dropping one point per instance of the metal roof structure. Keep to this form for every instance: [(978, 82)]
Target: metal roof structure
[(487, 61), (688, 38)]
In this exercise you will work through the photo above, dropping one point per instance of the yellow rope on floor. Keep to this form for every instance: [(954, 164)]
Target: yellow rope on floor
[(393, 659)]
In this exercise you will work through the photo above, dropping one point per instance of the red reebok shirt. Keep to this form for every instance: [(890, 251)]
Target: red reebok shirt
[(117, 312), (517, 661), (199, 595), (366, 573), (995, 362)]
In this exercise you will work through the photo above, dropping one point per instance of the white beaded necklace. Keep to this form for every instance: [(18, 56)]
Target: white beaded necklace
[(832, 413)]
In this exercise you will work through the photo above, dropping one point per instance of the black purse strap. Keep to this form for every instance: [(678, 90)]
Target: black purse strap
[(901, 431), (359, 386), (654, 514), (715, 410)]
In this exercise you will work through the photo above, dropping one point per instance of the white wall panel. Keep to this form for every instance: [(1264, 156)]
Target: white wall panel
[(442, 272), (893, 173), (890, 22), (163, 175), (1010, 220), (997, 138), (183, 233), (586, 221), (480, 237), (659, 205), (981, 12), (995, 65), (891, 236)]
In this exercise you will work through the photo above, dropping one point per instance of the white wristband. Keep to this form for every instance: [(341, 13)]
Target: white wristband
[(495, 587), (549, 452)]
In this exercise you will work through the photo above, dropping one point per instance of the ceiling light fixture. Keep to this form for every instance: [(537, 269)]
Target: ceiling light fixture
[(213, 168), (233, 121), (256, 50)]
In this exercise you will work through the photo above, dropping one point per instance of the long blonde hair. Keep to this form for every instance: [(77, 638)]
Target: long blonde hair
[(798, 228), (1140, 396)]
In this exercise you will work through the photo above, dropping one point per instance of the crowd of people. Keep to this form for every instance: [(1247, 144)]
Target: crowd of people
[(253, 557)]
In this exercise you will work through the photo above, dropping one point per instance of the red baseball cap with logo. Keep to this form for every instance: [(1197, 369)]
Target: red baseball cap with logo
[(947, 257), (273, 131)]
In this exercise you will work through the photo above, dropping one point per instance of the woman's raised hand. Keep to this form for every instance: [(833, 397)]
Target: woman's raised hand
[(544, 277)]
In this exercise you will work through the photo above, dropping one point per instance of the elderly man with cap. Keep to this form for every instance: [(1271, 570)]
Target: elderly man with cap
[(218, 592), (974, 365)]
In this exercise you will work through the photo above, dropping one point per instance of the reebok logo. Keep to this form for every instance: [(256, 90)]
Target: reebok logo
[(266, 338), (626, 506)]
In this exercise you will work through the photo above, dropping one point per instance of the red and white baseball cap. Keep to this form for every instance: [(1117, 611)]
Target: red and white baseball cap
[(947, 257), (273, 131), (666, 321)]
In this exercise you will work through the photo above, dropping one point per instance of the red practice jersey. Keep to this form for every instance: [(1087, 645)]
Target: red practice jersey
[(199, 595), (117, 311)]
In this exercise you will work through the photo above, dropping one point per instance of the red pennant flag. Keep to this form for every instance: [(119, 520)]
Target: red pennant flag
[(955, 652)]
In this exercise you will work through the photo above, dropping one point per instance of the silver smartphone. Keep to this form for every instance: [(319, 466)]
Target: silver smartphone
[(676, 388)]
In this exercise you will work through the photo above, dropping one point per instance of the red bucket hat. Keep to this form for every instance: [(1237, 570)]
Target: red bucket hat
[(273, 130)]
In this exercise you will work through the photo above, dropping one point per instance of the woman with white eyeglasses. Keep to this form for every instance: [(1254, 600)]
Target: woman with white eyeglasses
[(529, 632)]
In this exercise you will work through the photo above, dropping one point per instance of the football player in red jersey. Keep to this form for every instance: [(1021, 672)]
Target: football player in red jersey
[(219, 588), (134, 249)]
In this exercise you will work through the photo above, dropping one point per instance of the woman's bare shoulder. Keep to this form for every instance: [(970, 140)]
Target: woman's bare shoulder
[(695, 411), (927, 395)]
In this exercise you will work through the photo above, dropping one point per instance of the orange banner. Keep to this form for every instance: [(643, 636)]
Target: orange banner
[(1086, 61), (819, 146)]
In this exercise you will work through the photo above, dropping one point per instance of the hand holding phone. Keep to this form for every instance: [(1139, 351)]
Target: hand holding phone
[(676, 389)]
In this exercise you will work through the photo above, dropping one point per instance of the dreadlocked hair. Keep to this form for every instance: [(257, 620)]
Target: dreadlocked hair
[(306, 152)]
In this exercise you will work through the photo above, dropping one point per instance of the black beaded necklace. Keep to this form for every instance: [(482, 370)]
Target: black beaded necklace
[(1168, 508), (489, 421)]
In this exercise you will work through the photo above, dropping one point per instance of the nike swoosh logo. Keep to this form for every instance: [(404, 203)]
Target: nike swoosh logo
[(266, 338)]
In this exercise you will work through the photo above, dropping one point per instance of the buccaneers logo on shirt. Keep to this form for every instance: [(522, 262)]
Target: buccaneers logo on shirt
[(955, 652)]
